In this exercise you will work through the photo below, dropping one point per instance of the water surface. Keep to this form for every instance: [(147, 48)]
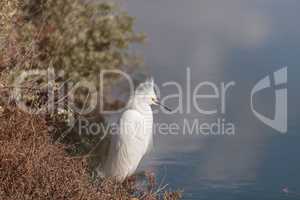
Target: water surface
[(222, 41)]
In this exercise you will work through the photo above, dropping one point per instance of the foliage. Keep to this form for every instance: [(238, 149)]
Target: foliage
[(80, 38)]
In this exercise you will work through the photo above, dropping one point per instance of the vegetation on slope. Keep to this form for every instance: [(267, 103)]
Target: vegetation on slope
[(82, 39)]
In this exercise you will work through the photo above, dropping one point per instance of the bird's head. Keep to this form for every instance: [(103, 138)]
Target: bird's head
[(146, 93)]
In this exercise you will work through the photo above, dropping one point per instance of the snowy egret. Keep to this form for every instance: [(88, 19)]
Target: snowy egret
[(135, 136)]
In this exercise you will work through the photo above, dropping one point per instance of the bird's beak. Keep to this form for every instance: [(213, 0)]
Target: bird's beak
[(162, 105)]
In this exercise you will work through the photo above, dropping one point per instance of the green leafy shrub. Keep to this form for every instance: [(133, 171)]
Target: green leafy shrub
[(80, 38)]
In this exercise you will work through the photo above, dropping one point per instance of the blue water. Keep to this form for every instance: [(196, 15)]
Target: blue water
[(222, 41)]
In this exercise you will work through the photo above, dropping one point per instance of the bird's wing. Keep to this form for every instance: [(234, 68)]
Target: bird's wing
[(134, 125), (131, 125)]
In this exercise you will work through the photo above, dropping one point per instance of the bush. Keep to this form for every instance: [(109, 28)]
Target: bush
[(80, 38), (32, 168)]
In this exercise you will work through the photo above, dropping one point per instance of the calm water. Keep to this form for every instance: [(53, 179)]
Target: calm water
[(222, 41)]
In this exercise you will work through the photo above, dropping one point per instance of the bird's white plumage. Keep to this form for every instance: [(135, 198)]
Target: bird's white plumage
[(135, 137)]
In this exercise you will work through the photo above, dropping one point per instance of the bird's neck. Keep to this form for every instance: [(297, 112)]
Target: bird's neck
[(146, 111), (141, 106)]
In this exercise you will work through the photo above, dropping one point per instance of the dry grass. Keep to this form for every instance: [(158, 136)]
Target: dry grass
[(32, 168)]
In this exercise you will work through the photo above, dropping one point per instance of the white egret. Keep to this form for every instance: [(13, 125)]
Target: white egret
[(135, 136)]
